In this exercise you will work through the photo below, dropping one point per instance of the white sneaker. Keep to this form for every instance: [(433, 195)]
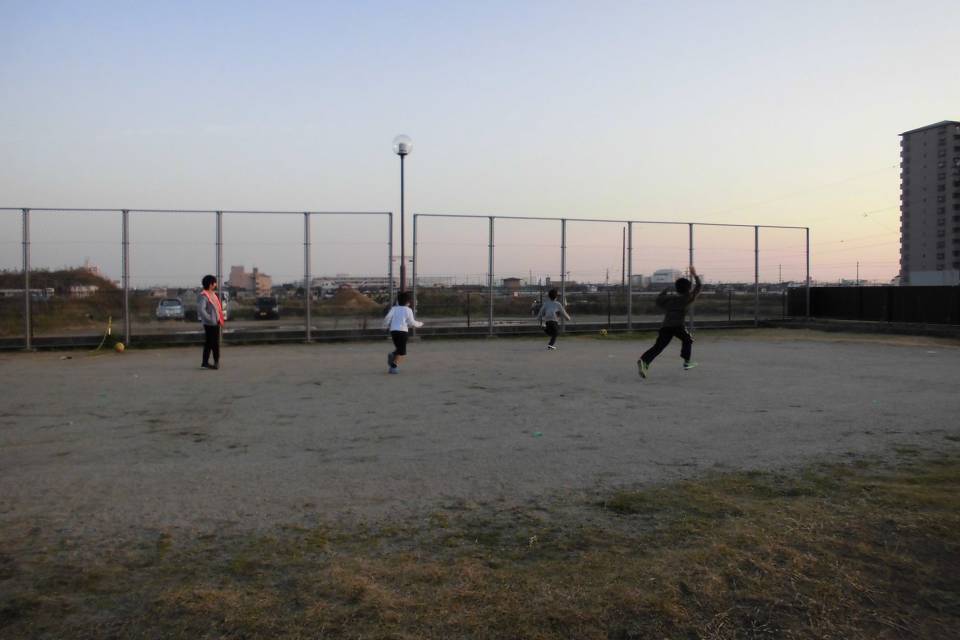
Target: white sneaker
[(552, 347)]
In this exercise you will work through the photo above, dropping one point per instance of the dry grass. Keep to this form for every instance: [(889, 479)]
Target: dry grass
[(860, 551)]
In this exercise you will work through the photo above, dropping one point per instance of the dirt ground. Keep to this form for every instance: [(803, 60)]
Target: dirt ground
[(300, 434)]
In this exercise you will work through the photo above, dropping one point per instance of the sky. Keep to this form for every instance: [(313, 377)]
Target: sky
[(771, 113)]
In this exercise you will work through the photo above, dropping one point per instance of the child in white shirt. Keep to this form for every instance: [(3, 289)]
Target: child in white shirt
[(399, 319)]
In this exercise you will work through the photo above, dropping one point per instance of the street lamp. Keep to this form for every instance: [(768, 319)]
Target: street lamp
[(402, 145)]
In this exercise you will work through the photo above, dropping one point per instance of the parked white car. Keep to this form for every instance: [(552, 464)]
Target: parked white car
[(225, 303), (170, 309)]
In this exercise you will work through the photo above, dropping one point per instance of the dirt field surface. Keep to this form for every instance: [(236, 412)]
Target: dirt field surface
[(305, 434)]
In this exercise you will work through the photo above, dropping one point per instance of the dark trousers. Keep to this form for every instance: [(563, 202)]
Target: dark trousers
[(211, 343), (663, 339), (399, 342), (552, 329)]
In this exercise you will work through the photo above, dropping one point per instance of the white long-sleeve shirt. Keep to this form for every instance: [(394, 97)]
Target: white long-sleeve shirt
[(400, 319)]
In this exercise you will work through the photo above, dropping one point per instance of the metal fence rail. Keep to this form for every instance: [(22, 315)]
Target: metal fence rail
[(614, 307), (126, 252), (629, 253)]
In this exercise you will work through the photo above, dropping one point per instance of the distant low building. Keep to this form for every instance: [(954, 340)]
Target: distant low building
[(90, 267), (512, 284), (366, 283), (35, 294), (356, 282), (82, 290), (640, 281), (665, 276)]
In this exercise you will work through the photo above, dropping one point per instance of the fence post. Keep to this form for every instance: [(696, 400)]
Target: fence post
[(125, 277), (27, 322), (629, 276), (609, 326), (756, 276), (219, 265), (859, 300), (808, 273), (563, 268), (690, 243), (490, 280), (307, 297), (468, 309), (218, 249), (390, 257), (729, 305), (413, 276)]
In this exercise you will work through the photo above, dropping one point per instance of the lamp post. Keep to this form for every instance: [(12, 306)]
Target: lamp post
[(402, 146)]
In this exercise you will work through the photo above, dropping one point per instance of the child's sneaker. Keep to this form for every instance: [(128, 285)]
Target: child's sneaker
[(394, 370), (689, 364), (552, 347), (390, 361), (642, 367)]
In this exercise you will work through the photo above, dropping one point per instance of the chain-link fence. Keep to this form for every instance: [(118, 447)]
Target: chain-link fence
[(135, 274), (494, 271), (68, 276)]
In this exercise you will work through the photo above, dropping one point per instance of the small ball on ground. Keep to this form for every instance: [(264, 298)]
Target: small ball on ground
[(119, 347)]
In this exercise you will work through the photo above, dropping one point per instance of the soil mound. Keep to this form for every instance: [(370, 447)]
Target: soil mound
[(353, 299)]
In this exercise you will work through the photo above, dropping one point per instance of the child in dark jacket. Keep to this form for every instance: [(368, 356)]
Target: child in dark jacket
[(675, 308)]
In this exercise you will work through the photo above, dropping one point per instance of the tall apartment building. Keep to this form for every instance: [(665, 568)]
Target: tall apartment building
[(930, 205)]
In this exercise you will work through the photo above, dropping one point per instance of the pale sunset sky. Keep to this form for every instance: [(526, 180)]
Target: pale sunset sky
[(780, 113)]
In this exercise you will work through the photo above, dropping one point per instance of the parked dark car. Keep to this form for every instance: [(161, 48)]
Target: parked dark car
[(266, 308)]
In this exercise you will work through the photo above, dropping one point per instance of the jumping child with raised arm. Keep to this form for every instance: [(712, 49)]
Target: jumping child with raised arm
[(399, 319), (675, 308)]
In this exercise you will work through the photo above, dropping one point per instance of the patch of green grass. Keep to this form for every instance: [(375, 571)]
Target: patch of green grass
[(906, 451), (867, 550), (784, 335), (615, 336)]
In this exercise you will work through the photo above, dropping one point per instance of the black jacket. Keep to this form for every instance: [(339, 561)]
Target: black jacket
[(676, 306)]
